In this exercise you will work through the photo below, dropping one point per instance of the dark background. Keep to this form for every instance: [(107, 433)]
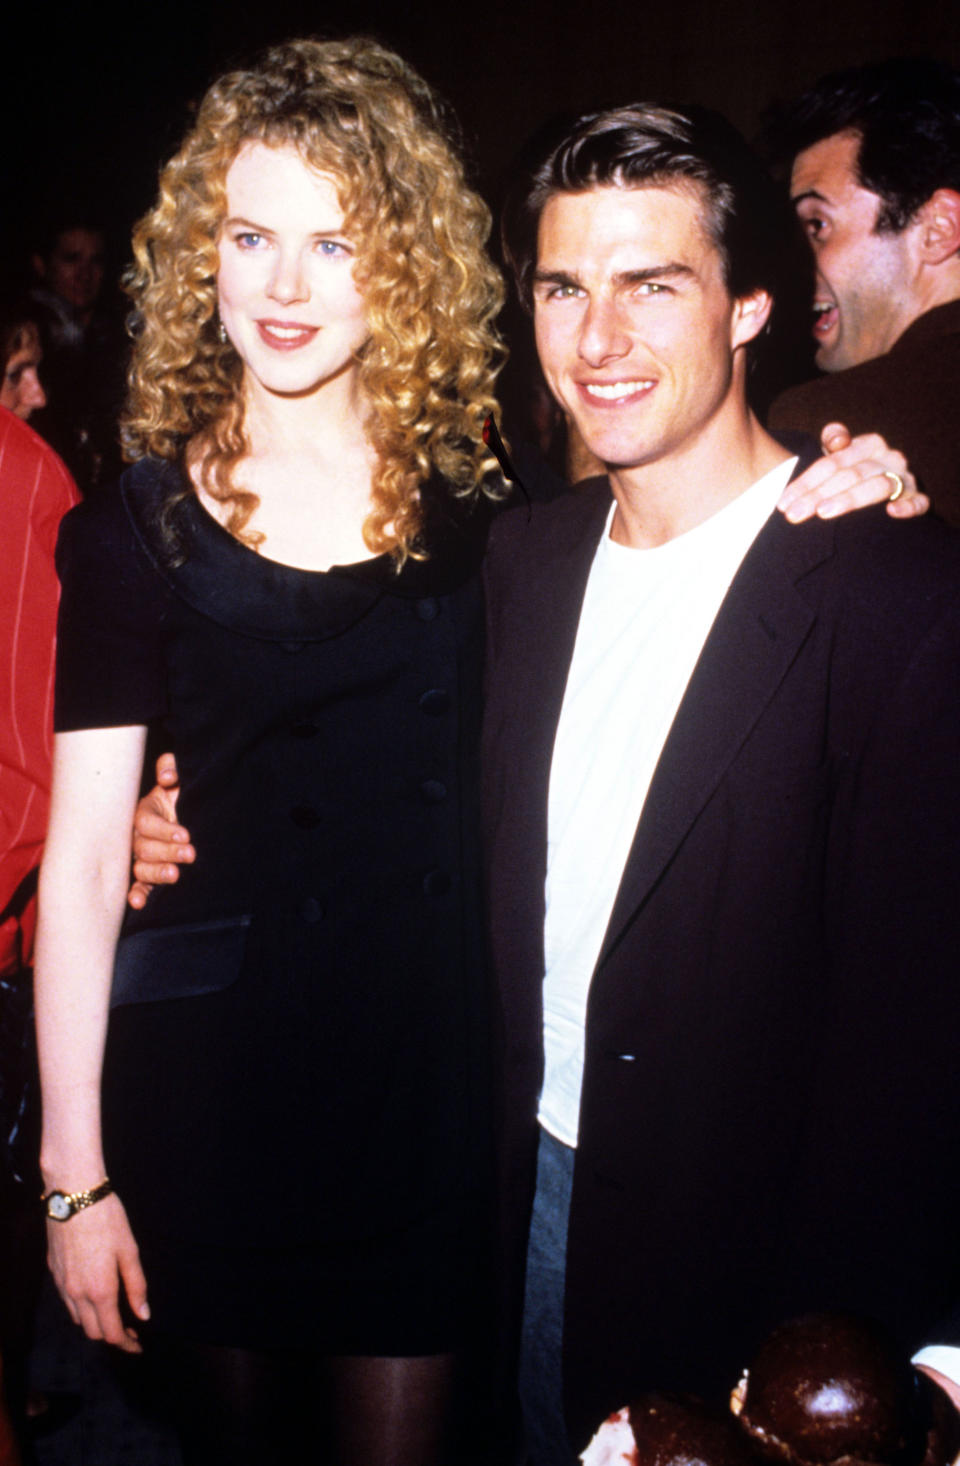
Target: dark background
[(91, 106)]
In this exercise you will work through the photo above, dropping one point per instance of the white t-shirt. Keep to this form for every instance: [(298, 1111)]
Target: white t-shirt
[(645, 617)]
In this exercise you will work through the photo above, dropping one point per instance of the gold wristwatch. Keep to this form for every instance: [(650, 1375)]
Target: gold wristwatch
[(60, 1206)]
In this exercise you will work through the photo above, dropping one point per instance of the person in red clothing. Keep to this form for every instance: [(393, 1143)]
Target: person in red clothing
[(35, 492)]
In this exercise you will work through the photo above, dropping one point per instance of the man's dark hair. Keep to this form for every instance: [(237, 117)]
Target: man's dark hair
[(647, 146), (49, 228), (907, 115)]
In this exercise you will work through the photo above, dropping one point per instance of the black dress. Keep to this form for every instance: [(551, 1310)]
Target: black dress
[(295, 1086)]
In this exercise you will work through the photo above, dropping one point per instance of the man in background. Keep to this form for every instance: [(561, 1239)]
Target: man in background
[(84, 349), (876, 186)]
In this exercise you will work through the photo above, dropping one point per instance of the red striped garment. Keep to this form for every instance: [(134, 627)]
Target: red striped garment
[(35, 492)]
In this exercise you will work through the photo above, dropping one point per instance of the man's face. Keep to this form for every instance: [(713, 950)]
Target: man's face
[(74, 267), (862, 300), (635, 326)]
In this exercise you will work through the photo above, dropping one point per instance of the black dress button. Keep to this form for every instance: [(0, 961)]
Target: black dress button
[(433, 791), (436, 883), (428, 608), (435, 702), (311, 910), (304, 816), (304, 728)]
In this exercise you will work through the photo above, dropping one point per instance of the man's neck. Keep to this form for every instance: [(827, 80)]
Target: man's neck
[(659, 501), (936, 287)]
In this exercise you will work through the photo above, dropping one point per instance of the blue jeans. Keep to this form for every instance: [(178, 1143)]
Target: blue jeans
[(541, 1347)]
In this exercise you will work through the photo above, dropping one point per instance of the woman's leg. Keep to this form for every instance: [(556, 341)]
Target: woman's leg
[(231, 1407), (241, 1407), (392, 1412)]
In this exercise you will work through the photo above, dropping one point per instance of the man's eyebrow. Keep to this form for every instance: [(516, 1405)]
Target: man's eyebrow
[(809, 193), (554, 277), (670, 270)]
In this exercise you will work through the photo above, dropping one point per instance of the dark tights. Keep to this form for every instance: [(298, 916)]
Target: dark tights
[(239, 1407)]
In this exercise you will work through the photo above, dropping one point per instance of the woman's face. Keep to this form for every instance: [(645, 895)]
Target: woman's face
[(285, 286), (20, 389)]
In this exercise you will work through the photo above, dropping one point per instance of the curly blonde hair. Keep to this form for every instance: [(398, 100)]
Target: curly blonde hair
[(357, 112)]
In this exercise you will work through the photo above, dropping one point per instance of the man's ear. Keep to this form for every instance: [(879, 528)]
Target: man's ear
[(750, 314), (39, 266), (939, 226)]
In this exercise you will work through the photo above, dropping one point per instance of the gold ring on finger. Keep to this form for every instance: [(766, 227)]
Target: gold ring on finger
[(898, 485)]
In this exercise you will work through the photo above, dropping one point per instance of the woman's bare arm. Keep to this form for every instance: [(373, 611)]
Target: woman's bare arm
[(83, 883)]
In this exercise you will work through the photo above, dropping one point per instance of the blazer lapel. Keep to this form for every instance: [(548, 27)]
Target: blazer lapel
[(758, 632), (529, 678)]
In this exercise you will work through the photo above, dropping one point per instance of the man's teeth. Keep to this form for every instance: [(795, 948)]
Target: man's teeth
[(821, 307), (612, 390)]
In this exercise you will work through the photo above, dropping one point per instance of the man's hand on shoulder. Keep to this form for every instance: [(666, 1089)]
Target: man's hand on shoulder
[(852, 474), (160, 844)]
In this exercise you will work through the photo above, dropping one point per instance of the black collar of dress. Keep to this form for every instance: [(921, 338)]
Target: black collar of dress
[(238, 588)]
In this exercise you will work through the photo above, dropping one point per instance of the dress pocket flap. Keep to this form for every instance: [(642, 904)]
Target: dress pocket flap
[(178, 961)]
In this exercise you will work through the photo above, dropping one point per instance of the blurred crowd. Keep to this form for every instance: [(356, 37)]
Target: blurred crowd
[(63, 345)]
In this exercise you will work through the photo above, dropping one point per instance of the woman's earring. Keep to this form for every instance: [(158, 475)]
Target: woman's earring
[(221, 332)]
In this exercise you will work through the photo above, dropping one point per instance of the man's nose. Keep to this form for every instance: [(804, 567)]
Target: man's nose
[(603, 333)]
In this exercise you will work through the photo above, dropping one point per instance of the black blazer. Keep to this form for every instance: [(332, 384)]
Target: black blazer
[(770, 1116)]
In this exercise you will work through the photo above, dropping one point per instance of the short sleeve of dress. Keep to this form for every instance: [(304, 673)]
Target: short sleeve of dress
[(110, 668)]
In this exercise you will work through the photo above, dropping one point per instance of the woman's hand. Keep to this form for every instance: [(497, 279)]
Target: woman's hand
[(852, 475), (160, 845), (91, 1255)]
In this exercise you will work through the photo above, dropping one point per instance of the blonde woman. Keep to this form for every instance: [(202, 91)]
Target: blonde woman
[(283, 1191)]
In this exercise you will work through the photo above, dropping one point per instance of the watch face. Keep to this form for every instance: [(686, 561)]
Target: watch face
[(58, 1207)]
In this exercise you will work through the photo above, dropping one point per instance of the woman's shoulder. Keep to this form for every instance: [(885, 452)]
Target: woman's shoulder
[(97, 527), (117, 526), (112, 510)]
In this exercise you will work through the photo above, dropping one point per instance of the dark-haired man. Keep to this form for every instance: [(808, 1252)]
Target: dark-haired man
[(876, 185), (721, 805)]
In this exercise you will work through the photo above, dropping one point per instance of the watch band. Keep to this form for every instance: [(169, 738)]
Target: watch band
[(60, 1206)]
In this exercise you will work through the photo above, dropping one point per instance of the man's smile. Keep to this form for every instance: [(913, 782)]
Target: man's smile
[(616, 391), (826, 316)]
